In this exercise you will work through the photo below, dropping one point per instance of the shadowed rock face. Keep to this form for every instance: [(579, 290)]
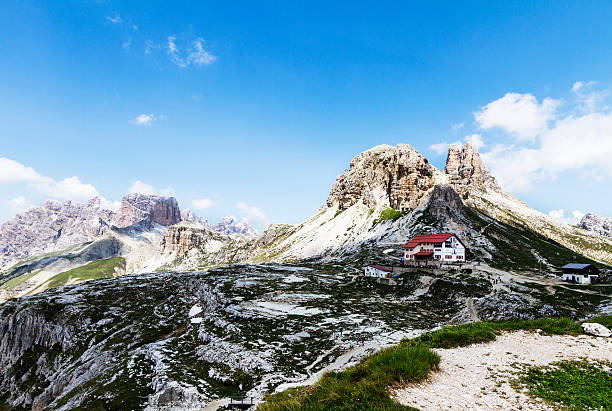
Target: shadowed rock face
[(136, 207), (395, 177), (465, 170), (597, 224), (444, 202)]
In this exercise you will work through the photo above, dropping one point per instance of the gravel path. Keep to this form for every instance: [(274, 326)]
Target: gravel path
[(477, 376)]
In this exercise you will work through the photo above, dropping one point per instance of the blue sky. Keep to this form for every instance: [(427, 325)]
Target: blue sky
[(254, 109)]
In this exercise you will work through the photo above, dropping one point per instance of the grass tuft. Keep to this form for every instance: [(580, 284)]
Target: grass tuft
[(575, 384)]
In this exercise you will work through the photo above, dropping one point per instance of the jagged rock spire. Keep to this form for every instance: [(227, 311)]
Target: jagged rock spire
[(465, 170)]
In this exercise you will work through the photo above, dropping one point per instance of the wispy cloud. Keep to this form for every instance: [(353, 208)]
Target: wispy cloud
[(144, 188), (203, 203), (144, 119), (559, 215), (442, 147), (252, 213), (19, 205), (115, 19), (195, 55)]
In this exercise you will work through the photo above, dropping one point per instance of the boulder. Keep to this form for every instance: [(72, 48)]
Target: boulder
[(596, 329)]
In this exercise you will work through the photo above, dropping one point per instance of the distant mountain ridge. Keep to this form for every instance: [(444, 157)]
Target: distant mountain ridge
[(386, 196), (55, 226)]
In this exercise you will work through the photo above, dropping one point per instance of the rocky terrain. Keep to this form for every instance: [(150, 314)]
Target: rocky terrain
[(192, 337), (597, 224)]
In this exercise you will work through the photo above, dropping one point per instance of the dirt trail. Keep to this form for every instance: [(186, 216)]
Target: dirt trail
[(480, 376)]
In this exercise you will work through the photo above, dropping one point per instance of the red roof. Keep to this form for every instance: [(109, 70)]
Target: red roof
[(381, 268), (428, 238), (424, 253)]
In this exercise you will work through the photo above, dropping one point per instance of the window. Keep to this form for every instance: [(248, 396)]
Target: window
[(448, 257), (438, 245), (448, 243)]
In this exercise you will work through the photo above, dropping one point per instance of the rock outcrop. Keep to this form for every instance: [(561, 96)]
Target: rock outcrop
[(185, 236), (396, 177), (597, 224), (444, 202), (51, 227), (465, 170), (154, 208)]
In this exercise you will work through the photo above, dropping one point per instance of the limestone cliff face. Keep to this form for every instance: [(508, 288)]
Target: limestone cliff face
[(465, 170), (597, 224), (182, 237), (136, 207), (396, 177)]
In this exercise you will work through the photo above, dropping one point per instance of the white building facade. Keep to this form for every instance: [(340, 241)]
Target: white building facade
[(445, 248)]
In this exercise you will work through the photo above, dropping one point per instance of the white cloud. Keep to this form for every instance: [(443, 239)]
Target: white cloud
[(442, 148), (71, 188), (559, 215), (589, 99), (518, 114), (144, 188), (115, 19), (203, 203), (126, 44), (252, 213), (141, 188), (475, 140), (579, 141), (109, 205), (199, 56), (582, 144), (12, 171), (457, 126), (19, 205), (144, 119)]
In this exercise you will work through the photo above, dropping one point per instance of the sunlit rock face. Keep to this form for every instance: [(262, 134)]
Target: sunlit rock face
[(597, 224), (136, 207), (465, 170), (51, 227), (396, 177)]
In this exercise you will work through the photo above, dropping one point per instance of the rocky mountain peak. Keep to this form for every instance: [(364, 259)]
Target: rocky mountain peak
[(395, 177), (465, 170), (229, 225), (154, 208), (597, 224), (52, 226), (188, 215)]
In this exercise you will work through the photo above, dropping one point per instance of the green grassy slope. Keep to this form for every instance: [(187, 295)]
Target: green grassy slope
[(91, 271)]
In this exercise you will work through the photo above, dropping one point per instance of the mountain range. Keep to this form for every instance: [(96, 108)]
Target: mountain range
[(387, 195)]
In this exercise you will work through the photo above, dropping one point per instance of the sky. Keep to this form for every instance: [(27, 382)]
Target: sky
[(253, 109)]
